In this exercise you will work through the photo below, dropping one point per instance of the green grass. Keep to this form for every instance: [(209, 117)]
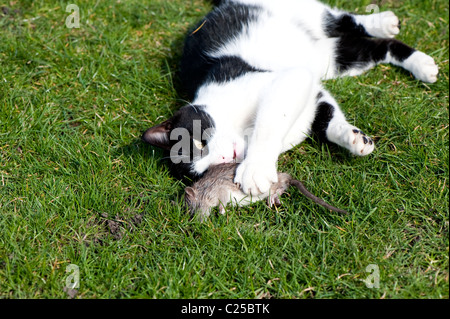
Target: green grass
[(77, 186)]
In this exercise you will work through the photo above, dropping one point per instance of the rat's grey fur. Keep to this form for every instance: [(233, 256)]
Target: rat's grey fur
[(216, 188)]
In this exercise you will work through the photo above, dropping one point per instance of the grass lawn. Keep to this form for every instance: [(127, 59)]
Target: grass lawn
[(78, 187)]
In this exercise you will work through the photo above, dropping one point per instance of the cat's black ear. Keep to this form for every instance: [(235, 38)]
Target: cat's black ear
[(159, 135)]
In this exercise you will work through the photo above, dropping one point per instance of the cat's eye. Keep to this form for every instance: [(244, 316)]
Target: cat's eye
[(198, 144)]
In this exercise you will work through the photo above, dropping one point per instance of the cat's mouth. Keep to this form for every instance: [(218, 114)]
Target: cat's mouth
[(228, 159), (234, 152), (234, 156), (238, 155)]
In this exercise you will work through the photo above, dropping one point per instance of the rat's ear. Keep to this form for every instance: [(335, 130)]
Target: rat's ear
[(190, 192), (159, 135)]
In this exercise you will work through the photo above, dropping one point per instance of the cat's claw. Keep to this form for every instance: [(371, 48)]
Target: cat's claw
[(274, 200), (361, 144), (351, 138)]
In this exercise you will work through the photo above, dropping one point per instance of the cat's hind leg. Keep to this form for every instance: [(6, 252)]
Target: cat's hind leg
[(357, 51), (330, 125), (379, 25), (356, 55)]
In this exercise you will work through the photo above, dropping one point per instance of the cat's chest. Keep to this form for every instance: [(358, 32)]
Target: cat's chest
[(234, 101)]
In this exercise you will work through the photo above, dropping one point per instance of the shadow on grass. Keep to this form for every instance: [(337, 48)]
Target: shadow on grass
[(169, 65)]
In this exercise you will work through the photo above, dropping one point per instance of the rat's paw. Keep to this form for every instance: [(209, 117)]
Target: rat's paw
[(274, 200), (422, 66), (359, 143), (390, 24), (256, 177)]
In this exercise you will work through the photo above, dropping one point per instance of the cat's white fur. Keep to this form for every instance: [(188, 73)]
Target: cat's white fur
[(276, 109)]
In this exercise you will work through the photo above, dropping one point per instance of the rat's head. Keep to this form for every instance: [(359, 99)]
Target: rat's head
[(195, 142)]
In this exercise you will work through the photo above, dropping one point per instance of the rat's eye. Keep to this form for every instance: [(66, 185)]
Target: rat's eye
[(198, 144)]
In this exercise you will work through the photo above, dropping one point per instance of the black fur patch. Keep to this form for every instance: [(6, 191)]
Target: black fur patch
[(343, 25), (355, 52), (191, 119), (209, 35), (229, 68), (187, 115), (217, 2), (185, 118), (399, 50), (324, 114)]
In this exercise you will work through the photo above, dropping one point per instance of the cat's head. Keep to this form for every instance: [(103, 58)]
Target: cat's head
[(195, 141)]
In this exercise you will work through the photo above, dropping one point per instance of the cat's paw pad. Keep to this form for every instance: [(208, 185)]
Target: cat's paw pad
[(390, 24), (360, 144), (422, 67), (256, 178)]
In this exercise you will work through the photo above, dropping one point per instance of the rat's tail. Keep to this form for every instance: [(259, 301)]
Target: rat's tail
[(314, 198)]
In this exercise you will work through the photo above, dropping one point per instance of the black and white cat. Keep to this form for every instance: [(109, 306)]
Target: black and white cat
[(253, 71)]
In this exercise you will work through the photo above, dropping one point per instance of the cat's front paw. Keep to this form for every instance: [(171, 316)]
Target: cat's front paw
[(256, 177), (422, 66)]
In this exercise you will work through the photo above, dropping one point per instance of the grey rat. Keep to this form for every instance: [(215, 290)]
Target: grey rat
[(216, 188)]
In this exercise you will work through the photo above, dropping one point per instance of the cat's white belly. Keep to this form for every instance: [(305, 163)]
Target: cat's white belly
[(275, 42)]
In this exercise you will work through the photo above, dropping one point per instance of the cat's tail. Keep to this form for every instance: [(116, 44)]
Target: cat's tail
[(314, 198)]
